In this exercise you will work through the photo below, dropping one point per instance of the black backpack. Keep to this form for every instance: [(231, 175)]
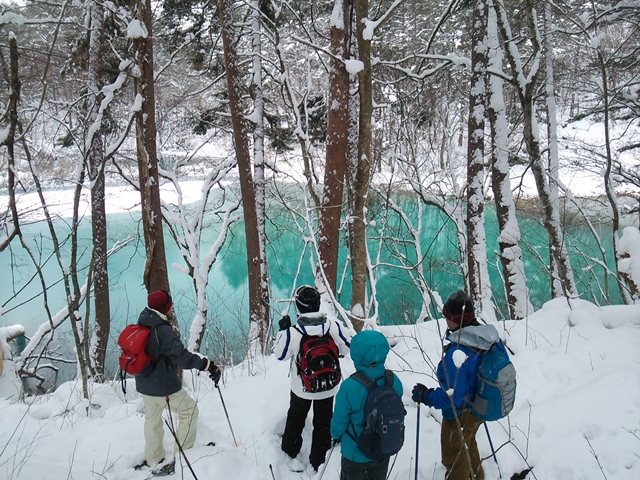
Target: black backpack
[(383, 432), (318, 364)]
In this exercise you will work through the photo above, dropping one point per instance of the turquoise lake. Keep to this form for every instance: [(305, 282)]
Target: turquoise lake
[(290, 265)]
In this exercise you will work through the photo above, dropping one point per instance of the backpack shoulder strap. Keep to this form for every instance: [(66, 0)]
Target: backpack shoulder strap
[(364, 380), (388, 375)]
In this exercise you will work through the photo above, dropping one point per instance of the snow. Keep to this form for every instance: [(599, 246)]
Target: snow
[(353, 66), (136, 29), (575, 415)]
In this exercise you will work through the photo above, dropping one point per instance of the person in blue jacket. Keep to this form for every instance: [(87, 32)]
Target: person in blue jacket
[(369, 351), (457, 375)]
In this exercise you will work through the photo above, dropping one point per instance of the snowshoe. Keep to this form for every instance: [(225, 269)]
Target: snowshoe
[(164, 470)]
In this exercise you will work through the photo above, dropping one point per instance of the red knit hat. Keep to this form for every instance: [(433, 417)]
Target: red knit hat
[(459, 309), (160, 300)]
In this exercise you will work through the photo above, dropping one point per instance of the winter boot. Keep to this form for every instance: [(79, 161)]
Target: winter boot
[(164, 470)]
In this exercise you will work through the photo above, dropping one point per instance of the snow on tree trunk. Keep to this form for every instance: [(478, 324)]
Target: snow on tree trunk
[(94, 148), (358, 217), (610, 191), (516, 289), (259, 166), (479, 285), (255, 259), (628, 255), (12, 228), (562, 282)]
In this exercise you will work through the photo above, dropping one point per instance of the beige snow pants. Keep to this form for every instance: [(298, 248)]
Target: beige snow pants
[(186, 409)]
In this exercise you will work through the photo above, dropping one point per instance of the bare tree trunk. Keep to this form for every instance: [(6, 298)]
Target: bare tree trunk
[(563, 283), (479, 286), (12, 229), (337, 147), (155, 275), (608, 180), (357, 225), (258, 313), (94, 147), (516, 291), (257, 94)]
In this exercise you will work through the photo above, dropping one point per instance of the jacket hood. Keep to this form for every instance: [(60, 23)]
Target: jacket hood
[(311, 319), (152, 318), (477, 336), (369, 350)]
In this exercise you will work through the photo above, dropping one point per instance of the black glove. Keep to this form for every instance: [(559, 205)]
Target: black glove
[(285, 322), (214, 372), (419, 393)]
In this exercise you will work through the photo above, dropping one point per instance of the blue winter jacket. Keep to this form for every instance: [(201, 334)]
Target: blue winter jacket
[(457, 371), (369, 351)]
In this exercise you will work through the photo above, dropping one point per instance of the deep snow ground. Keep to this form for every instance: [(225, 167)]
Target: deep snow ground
[(576, 415)]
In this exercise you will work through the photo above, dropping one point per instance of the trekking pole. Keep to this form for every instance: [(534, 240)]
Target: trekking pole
[(417, 437), (226, 414), (326, 462), (172, 429), (493, 452)]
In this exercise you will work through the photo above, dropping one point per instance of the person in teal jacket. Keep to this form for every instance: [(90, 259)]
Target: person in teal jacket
[(369, 351)]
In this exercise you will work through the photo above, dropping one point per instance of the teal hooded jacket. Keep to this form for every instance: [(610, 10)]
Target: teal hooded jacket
[(369, 351)]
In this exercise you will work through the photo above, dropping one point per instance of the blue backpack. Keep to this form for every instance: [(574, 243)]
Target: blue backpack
[(496, 389), (383, 432)]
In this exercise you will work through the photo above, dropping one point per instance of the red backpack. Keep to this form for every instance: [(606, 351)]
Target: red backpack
[(318, 363), (133, 358)]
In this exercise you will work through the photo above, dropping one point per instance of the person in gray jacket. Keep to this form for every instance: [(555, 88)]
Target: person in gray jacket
[(311, 323), (161, 387)]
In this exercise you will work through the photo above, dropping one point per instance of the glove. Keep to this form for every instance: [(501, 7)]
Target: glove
[(420, 392), (214, 372), (335, 441), (285, 322)]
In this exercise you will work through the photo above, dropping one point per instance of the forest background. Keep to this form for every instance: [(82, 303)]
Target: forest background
[(350, 119)]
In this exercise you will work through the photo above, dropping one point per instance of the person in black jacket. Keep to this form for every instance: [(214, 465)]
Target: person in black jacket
[(161, 388)]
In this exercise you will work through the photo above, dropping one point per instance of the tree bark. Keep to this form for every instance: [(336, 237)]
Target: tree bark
[(479, 286), (362, 177), (94, 146), (562, 282), (155, 275), (258, 314), (337, 148), (12, 229), (517, 293)]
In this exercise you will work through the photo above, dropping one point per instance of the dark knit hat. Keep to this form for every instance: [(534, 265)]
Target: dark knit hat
[(160, 300), (307, 299), (459, 309)]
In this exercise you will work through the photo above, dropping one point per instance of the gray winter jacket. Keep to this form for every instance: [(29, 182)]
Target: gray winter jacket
[(168, 353)]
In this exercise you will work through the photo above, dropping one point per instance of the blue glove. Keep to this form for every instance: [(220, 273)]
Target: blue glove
[(285, 322)]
